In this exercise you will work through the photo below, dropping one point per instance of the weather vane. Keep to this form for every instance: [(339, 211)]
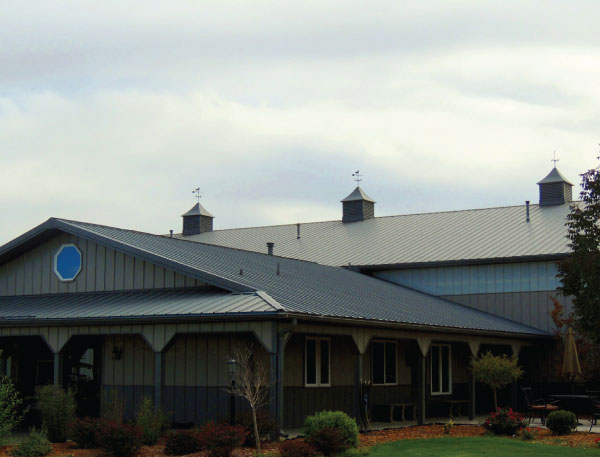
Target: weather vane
[(357, 177), (198, 193), (555, 159)]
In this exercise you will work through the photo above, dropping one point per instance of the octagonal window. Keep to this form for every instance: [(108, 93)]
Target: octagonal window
[(67, 262)]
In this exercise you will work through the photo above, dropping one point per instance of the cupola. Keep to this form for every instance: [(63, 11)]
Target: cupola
[(197, 220), (358, 206), (555, 189)]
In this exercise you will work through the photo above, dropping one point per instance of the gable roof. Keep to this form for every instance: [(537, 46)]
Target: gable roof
[(295, 286), (469, 236)]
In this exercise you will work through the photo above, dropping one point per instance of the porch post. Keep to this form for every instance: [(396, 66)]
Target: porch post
[(471, 396), (358, 375), (58, 368), (421, 387), (158, 378), (514, 391), (474, 347), (276, 378)]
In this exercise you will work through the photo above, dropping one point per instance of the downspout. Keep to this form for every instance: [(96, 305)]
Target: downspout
[(281, 340)]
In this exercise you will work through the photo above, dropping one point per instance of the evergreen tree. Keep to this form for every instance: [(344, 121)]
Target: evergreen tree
[(580, 272)]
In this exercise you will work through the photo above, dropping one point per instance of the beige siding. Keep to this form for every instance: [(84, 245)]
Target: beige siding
[(104, 269), (136, 366), (194, 360)]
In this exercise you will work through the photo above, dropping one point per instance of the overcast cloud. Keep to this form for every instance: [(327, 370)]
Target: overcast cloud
[(112, 112)]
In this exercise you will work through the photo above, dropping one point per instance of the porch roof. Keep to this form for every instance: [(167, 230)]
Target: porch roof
[(290, 285), (140, 304)]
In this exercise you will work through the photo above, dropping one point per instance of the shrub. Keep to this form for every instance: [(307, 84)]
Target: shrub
[(181, 443), (120, 440), (112, 406), (58, 411), (504, 422), (527, 434), (266, 425), (297, 448), (152, 421), (9, 407), (219, 440), (333, 419), (35, 445), (329, 440), (561, 422), (85, 432)]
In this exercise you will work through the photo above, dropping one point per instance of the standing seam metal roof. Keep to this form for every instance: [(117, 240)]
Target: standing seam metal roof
[(301, 287), (455, 236)]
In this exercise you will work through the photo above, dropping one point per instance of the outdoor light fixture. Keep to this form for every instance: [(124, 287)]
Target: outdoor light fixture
[(232, 365), (232, 368), (117, 353)]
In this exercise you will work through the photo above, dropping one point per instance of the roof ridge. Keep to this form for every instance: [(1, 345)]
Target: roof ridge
[(380, 217)]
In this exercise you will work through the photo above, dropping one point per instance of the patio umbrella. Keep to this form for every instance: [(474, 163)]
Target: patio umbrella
[(570, 366)]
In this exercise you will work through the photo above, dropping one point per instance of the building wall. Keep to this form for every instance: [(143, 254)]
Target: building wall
[(517, 291), (103, 269)]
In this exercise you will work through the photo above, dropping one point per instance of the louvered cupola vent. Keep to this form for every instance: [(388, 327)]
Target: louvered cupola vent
[(358, 206), (197, 220), (555, 189)]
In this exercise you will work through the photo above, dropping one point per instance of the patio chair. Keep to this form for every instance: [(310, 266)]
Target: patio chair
[(539, 407)]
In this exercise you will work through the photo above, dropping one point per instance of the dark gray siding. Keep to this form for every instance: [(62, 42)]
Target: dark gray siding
[(555, 193), (358, 210), (104, 269)]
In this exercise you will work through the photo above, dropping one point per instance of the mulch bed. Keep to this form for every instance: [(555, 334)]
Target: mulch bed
[(577, 439)]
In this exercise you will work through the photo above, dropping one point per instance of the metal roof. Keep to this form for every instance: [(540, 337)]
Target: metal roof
[(357, 195), (453, 236), (554, 176), (162, 303), (198, 210), (296, 286)]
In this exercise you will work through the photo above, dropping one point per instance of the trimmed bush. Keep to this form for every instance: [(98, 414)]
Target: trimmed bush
[(297, 448), (120, 440), (266, 425), (182, 442), (219, 440), (35, 445), (9, 407), (504, 422), (561, 422), (85, 432), (329, 441), (152, 421), (58, 411), (333, 419)]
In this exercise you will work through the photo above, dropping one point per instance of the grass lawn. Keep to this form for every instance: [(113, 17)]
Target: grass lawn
[(475, 446)]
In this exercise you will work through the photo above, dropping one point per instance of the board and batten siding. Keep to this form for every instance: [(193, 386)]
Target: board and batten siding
[(518, 291), (103, 269)]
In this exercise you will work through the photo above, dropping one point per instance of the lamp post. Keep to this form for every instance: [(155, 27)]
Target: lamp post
[(232, 369)]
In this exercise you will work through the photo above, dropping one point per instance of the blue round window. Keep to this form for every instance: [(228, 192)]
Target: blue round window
[(67, 262)]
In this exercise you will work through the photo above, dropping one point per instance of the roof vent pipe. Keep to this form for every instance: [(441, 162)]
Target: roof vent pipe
[(298, 230), (270, 246), (170, 233), (527, 210)]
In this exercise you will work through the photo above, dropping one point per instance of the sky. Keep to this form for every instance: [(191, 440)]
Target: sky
[(113, 112)]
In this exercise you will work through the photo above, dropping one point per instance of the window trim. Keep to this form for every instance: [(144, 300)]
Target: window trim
[(318, 340), (449, 392), (384, 363)]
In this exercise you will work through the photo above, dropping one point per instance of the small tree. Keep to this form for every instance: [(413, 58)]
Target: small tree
[(9, 406), (495, 371), (251, 382)]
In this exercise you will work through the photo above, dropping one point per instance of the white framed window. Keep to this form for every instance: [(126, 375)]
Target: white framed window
[(440, 368), (317, 366), (384, 362)]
